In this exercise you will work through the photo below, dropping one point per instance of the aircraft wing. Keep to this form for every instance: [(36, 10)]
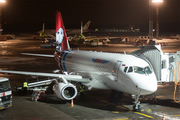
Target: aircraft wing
[(42, 55), (76, 78)]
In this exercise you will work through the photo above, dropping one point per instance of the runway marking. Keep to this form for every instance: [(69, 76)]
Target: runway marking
[(176, 115)]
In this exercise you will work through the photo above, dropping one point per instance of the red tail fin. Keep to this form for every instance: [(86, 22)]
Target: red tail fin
[(61, 37)]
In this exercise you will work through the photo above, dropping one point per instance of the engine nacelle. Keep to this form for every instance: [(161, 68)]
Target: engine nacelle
[(65, 91)]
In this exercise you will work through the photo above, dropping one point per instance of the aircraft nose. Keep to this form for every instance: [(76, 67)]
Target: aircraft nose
[(148, 85), (152, 87)]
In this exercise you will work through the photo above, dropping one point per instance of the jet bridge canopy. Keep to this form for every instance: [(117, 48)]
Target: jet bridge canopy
[(151, 54)]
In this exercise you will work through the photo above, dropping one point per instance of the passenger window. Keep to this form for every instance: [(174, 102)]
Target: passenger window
[(130, 69), (125, 69)]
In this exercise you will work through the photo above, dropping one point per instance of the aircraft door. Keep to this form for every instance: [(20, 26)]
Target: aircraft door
[(115, 70)]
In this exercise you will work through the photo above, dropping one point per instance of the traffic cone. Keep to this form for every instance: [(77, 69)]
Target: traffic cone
[(72, 105), (163, 116)]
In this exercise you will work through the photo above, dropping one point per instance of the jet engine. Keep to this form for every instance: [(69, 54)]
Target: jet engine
[(65, 91)]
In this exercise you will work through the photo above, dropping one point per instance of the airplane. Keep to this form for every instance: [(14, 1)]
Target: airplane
[(69, 31), (120, 72)]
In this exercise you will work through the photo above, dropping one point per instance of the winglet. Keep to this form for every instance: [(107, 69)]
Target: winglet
[(61, 36)]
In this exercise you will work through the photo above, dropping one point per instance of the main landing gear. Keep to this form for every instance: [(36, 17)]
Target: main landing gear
[(136, 106)]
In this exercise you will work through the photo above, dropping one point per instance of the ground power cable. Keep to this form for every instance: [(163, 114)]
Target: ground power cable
[(176, 79)]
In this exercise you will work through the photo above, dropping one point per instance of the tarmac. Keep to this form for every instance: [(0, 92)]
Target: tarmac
[(98, 104)]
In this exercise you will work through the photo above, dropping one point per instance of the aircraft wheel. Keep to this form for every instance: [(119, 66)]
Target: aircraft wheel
[(137, 109), (134, 108)]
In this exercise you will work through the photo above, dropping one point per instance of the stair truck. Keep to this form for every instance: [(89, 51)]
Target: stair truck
[(5, 93)]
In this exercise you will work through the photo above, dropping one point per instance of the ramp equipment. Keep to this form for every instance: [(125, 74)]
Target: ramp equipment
[(38, 95), (40, 85)]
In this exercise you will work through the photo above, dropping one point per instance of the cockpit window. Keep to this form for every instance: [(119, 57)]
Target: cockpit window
[(148, 70), (138, 70), (130, 69), (141, 70), (125, 69)]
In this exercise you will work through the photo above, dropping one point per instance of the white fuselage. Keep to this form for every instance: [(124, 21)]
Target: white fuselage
[(119, 72)]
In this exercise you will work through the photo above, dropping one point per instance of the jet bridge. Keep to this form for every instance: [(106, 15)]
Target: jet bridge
[(162, 63)]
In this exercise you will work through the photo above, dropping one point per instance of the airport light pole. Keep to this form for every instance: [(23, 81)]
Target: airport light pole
[(1, 1), (150, 21), (81, 28), (157, 2)]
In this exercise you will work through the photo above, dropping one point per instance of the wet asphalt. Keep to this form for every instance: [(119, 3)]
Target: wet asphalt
[(98, 104)]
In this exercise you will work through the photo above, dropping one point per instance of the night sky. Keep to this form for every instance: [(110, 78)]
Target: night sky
[(29, 15)]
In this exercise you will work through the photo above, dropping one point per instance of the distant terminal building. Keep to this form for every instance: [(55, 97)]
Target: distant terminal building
[(129, 29)]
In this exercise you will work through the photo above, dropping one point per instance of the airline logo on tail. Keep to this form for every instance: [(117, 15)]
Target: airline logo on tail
[(61, 37)]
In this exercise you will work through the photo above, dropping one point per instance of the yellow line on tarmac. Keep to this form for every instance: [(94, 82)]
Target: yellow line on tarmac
[(176, 115), (125, 108), (146, 110), (113, 104), (143, 114), (115, 111)]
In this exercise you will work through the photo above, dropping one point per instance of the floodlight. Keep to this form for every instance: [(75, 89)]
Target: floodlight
[(157, 1), (2, 1)]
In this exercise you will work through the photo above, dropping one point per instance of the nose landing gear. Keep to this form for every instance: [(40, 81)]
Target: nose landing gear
[(136, 106)]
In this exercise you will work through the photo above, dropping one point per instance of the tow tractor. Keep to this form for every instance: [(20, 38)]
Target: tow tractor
[(5, 93)]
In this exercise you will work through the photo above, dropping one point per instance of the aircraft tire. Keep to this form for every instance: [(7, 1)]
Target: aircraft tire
[(138, 110)]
